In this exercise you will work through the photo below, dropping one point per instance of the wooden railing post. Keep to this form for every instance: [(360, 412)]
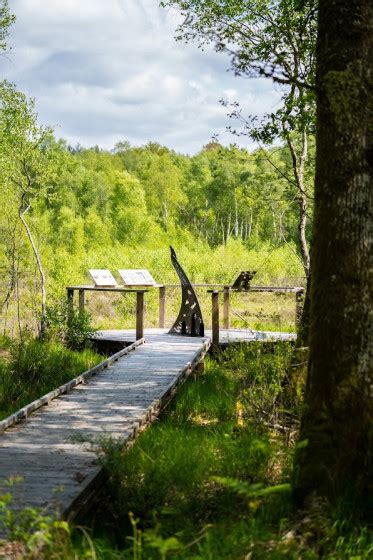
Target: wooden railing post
[(81, 302), (162, 307), (299, 297), (215, 320), (70, 305), (140, 315), (227, 292)]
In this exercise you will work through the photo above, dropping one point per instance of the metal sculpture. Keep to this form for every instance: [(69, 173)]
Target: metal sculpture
[(242, 282), (189, 321)]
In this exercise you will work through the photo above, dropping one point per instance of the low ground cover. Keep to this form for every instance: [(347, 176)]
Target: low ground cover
[(210, 480)]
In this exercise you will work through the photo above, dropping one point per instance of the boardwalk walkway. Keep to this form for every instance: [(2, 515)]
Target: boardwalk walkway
[(45, 449), (49, 449)]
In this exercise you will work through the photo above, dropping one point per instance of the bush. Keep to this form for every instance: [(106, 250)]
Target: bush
[(74, 332)]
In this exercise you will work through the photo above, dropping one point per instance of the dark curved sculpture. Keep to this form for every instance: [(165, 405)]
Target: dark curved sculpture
[(189, 321)]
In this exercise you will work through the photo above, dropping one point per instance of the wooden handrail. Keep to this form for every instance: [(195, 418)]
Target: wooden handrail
[(107, 289), (298, 291), (140, 304)]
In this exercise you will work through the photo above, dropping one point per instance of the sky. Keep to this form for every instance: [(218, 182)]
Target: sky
[(103, 71)]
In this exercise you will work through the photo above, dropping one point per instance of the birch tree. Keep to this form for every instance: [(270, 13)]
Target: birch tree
[(28, 166), (272, 39)]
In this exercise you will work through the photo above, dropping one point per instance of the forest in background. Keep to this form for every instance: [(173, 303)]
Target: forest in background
[(252, 412), (224, 209)]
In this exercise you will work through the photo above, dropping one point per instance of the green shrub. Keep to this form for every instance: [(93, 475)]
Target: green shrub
[(73, 329)]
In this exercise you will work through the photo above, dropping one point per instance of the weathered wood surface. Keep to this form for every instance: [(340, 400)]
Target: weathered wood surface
[(48, 449), (225, 335)]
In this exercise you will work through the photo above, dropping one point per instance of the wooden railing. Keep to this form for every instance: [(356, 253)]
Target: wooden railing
[(215, 318), (163, 298), (140, 307), (227, 290)]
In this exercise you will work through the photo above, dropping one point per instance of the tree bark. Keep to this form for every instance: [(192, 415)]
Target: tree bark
[(335, 456)]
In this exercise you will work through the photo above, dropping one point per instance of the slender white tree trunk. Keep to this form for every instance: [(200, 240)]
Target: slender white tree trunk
[(22, 212), (298, 171)]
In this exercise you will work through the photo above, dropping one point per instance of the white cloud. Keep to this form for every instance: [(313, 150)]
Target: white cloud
[(107, 70)]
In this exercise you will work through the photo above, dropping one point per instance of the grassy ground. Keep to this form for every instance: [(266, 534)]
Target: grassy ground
[(30, 368), (210, 479)]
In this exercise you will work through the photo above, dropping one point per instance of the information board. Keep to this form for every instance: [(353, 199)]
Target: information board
[(137, 278), (103, 278)]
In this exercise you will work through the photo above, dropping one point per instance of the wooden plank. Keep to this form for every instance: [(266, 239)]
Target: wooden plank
[(24, 412), (116, 402), (106, 289)]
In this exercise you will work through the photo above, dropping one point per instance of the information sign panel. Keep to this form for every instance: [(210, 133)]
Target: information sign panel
[(103, 278), (137, 277)]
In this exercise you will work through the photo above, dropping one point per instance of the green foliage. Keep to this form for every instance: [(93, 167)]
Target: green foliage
[(31, 368), (28, 150), (229, 212), (6, 20), (34, 533), (93, 208), (208, 482), (75, 331)]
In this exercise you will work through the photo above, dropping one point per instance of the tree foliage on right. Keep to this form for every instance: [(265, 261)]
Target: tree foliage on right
[(334, 456)]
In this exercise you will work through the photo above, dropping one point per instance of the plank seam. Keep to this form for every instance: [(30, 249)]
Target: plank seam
[(24, 412), (90, 489)]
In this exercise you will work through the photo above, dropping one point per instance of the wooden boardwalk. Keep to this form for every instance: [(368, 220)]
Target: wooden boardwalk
[(49, 449), (226, 335), (46, 449)]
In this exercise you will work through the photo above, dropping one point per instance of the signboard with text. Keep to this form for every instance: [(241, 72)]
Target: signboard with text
[(103, 278), (137, 278)]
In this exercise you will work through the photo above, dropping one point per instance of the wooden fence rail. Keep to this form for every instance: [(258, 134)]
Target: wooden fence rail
[(227, 290), (162, 288), (140, 307)]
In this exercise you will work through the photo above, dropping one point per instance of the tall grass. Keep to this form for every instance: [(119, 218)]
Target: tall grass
[(30, 368), (210, 479)]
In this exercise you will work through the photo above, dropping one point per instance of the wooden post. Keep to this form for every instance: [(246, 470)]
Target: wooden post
[(162, 307), (299, 296), (226, 306), (139, 315), (70, 305), (81, 302), (215, 320), (200, 367)]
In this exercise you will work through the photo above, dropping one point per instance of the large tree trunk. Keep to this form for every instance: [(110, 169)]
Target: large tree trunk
[(335, 429)]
